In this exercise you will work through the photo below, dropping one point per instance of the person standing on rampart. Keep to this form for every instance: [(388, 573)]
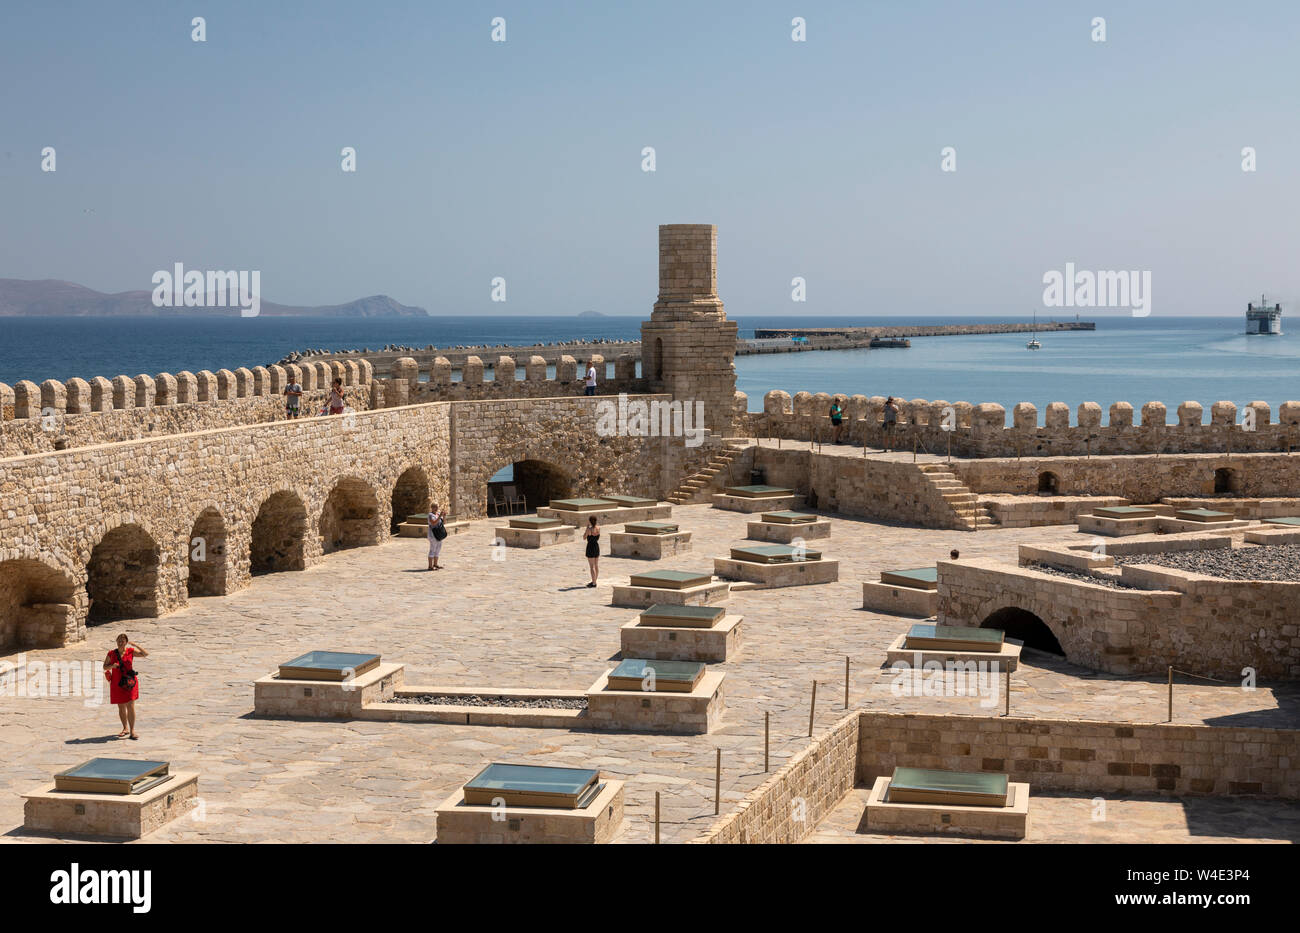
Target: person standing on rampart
[(292, 399), (890, 422)]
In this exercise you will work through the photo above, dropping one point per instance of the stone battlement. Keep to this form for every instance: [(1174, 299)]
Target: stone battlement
[(982, 430), (430, 380), (79, 413)]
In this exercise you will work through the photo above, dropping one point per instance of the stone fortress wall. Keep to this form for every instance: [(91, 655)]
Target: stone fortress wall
[(981, 431), (132, 528)]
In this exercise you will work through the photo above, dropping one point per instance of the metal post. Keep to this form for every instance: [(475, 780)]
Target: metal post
[(1171, 694), (1007, 690), (656, 817), (950, 447), (717, 784), (767, 740), (846, 682), (812, 709)]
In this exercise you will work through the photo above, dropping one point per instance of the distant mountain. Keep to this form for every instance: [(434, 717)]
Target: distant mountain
[(49, 297), (592, 314)]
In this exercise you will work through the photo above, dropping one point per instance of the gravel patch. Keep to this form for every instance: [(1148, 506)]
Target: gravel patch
[(1081, 575), (1267, 562), (438, 699)]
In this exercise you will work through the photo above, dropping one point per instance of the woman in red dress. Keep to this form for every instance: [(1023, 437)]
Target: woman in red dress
[(123, 684)]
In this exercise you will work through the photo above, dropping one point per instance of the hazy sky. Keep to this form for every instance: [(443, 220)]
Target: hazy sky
[(523, 158)]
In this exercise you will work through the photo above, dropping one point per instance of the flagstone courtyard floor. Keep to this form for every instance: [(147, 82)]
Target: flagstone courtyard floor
[(527, 620)]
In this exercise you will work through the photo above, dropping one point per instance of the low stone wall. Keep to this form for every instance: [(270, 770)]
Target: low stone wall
[(983, 431), (788, 806), (410, 381), (1139, 479), (1088, 757)]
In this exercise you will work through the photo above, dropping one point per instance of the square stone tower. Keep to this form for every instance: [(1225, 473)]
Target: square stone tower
[(688, 347)]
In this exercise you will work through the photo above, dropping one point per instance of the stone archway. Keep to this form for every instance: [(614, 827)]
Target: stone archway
[(207, 555), (279, 535), (36, 604), (537, 480), (1025, 626), (350, 517), (122, 576), (410, 495), (1227, 481)]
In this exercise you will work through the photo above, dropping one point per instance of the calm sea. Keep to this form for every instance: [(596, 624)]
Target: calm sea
[(1129, 359)]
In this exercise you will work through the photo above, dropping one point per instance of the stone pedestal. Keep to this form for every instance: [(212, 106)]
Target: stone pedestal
[(643, 597), (750, 505), (784, 533), (607, 517), (120, 816), (325, 699), (596, 823), (1004, 659), (537, 537), (646, 711), (678, 643), (765, 576), (1009, 822), (649, 547), (900, 600)]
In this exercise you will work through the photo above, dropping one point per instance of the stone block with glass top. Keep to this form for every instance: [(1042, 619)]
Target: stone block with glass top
[(757, 498), (649, 540), (535, 531), (786, 527), (679, 587), (609, 510), (963, 803), (908, 592), (776, 565), (326, 685), (110, 797), (682, 633), (1204, 515), (537, 804), (686, 698), (930, 643)]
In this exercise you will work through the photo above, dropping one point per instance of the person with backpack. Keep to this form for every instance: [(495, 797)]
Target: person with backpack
[(123, 682), (437, 533), (837, 420), (890, 422)]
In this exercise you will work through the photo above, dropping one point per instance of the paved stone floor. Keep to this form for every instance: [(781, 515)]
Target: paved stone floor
[(527, 620)]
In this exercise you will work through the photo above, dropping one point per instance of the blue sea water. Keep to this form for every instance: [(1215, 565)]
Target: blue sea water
[(1167, 359)]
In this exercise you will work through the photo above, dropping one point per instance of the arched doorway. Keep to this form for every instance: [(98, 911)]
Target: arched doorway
[(659, 359), (122, 576), (207, 555), (278, 534), (350, 517), (410, 496), (1225, 481), (35, 603), (1048, 483), (1025, 626), (537, 481)]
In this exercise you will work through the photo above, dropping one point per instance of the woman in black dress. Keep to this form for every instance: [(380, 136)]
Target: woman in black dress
[(592, 535)]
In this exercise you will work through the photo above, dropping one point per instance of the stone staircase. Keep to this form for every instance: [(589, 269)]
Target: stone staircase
[(972, 514), (712, 478)]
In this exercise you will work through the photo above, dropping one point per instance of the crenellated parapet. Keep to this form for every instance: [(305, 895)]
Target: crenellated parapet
[(415, 381), (988, 430), (83, 412)]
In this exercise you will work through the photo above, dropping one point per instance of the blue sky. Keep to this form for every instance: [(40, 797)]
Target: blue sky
[(522, 159)]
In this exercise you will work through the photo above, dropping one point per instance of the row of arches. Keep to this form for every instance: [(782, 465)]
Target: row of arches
[(124, 574)]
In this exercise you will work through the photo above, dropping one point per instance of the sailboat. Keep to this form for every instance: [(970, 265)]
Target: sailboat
[(1033, 343)]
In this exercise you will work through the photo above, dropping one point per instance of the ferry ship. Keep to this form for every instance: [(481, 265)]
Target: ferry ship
[(1261, 319)]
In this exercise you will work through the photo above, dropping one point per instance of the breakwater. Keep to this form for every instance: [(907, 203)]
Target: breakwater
[(919, 330), (765, 340)]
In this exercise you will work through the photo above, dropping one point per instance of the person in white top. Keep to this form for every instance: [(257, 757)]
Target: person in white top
[(437, 532), (591, 378)]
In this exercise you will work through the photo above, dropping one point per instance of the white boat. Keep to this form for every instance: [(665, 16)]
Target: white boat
[(1261, 319), (1033, 343)]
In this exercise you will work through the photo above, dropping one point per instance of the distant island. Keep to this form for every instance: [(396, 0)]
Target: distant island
[(51, 297), (592, 314)]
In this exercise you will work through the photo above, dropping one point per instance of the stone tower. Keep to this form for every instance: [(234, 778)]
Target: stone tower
[(688, 347)]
